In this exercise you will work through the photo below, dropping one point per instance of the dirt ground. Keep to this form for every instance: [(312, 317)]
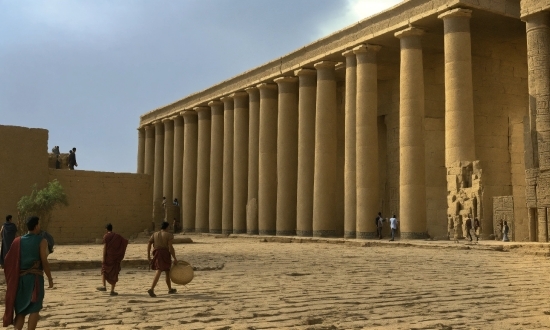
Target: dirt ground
[(278, 283)]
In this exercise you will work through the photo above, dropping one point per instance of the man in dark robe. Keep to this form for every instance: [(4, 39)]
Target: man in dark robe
[(24, 268), (114, 248), (8, 233), (162, 253)]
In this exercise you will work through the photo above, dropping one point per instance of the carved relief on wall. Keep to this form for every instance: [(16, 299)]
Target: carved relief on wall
[(464, 196), (503, 210)]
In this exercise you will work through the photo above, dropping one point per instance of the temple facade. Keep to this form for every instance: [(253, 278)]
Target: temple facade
[(434, 110)]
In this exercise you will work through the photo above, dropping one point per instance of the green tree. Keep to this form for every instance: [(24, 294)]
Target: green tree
[(41, 203)]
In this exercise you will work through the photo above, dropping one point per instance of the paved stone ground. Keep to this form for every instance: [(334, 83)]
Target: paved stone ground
[(245, 283)]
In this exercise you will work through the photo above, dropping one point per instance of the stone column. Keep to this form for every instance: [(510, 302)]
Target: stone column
[(459, 99), (350, 189), (412, 177), (215, 199), (287, 155), (367, 140), (324, 186), (149, 162), (307, 82), (141, 151), (240, 161), (203, 169), (253, 145), (538, 54), (178, 158), (168, 173), (228, 134), (267, 163), (189, 181), (158, 177)]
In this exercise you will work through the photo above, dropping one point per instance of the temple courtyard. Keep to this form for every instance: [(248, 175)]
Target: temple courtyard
[(244, 282)]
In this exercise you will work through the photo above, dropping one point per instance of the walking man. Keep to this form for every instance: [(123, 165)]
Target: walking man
[(114, 248), (476, 228), (379, 225), (72, 159), (469, 227), (24, 267), (393, 225), (162, 253), (8, 233)]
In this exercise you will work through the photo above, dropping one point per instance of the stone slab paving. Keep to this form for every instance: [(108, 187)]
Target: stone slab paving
[(249, 283)]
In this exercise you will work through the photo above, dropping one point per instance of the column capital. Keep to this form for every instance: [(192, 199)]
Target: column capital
[(348, 52), (366, 48), (324, 65), (157, 122), (226, 98), (214, 103), (266, 86), (540, 20), (286, 79), (164, 120), (409, 32), (149, 127), (201, 108), (457, 12), (187, 113), (238, 94), (305, 72), (141, 128)]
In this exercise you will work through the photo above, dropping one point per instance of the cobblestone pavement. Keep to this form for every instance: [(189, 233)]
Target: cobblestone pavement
[(244, 283)]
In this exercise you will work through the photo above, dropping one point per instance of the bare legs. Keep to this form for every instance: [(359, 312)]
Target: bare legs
[(20, 321), (156, 279)]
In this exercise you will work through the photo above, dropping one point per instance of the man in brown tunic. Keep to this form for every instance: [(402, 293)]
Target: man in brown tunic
[(114, 249), (162, 253)]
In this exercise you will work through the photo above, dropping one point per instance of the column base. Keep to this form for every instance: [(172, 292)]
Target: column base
[(350, 234), (413, 235), (239, 231), (324, 233), (304, 233), (267, 232), (188, 230), (286, 233), (366, 235), (201, 230), (252, 232), (215, 231), (227, 231)]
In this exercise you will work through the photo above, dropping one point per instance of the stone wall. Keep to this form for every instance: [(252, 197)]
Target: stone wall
[(97, 198), (529, 7), (23, 163)]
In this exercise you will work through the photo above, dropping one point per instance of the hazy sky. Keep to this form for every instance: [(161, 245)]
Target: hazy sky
[(86, 70)]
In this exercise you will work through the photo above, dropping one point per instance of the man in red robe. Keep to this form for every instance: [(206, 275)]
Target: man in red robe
[(162, 254), (114, 248)]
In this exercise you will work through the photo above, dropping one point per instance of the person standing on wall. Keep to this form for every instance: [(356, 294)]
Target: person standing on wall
[(25, 266), (72, 159), (162, 253), (8, 233), (114, 249)]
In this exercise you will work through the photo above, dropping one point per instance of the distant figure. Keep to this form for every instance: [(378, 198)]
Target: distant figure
[(8, 233), (164, 202), (175, 202), (379, 225), (505, 230), (476, 228), (176, 225), (393, 225), (72, 159), (114, 249), (469, 227), (163, 253), (55, 150)]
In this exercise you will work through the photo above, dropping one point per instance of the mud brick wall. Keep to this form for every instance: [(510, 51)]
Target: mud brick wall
[(97, 198), (23, 163)]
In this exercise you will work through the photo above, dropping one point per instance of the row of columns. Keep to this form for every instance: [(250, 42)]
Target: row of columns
[(263, 160)]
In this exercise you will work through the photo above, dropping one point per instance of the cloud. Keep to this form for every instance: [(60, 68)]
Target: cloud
[(354, 11)]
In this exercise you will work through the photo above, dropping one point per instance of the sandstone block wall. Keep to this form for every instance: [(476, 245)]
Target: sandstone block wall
[(529, 7), (97, 198), (23, 163)]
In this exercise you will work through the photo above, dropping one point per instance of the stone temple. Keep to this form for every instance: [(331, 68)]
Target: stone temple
[(433, 110)]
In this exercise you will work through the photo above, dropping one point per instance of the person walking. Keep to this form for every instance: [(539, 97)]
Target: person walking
[(505, 230), (72, 159), (379, 225), (25, 266), (468, 225), (393, 225), (476, 228), (162, 253), (114, 249), (8, 233)]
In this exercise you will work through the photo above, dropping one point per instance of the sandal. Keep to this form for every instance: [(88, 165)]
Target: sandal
[(172, 291), (101, 288), (151, 293)]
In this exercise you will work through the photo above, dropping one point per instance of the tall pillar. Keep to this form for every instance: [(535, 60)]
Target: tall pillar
[(168, 173), (240, 161), (149, 162), (538, 54), (367, 140), (189, 181), (324, 186), (350, 189), (177, 175), (228, 134), (158, 177), (307, 90), (253, 145), (459, 99), (215, 199), (412, 177), (203, 169), (287, 155), (267, 163), (141, 151)]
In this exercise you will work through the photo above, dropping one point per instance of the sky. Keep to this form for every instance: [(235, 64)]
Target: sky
[(86, 70)]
